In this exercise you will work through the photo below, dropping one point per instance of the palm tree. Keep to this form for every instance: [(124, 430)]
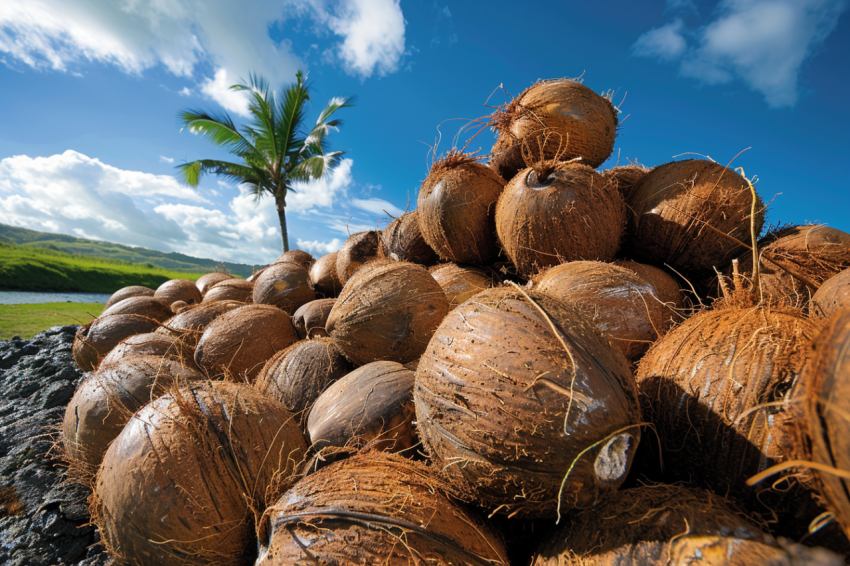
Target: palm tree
[(275, 148)]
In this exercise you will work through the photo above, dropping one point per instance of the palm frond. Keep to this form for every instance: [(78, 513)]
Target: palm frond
[(291, 114), (316, 166), (219, 129), (192, 172)]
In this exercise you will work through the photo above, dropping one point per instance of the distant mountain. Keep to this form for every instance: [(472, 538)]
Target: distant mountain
[(117, 252)]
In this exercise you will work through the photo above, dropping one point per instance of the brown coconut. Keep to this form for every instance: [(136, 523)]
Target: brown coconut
[(373, 404), (297, 375), (240, 290), (97, 338), (180, 484), (152, 344), (148, 307), (402, 241), (521, 399), (387, 311), (300, 257), (666, 287), (358, 249), (549, 216), (178, 290), (460, 282), (127, 292), (833, 295), (625, 177), (456, 207), (284, 285), (374, 508), (324, 277), (238, 343), (206, 282), (688, 214), (558, 118), (670, 525), (190, 324), (178, 306), (310, 319), (109, 397)]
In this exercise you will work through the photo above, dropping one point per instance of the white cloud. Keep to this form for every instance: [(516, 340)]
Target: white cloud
[(665, 43), (185, 91), (322, 193), (377, 206), (373, 32), (164, 159), (764, 43), (218, 89), (318, 248)]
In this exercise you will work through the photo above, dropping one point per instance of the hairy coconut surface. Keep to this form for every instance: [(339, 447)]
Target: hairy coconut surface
[(621, 304), (238, 343), (669, 525), (127, 292), (97, 338), (456, 207), (107, 399), (152, 344), (190, 324), (571, 214), (178, 306), (178, 290), (358, 249), (374, 508), (148, 307), (206, 282), (234, 289), (833, 295), (324, 277), (372, 404), (310, 319), (506, 158), (460, 282), (387, 311), (522, 399), (683, 214), (297, 375), (284, 285), (666, 287), (402, 241), (625, 177), (300, 257), (180, 484)]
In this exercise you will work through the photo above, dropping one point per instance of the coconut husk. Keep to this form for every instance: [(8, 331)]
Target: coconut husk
[(324, 277), (625, 178), (691, 215), (310, 319), (190, 324), (240, 290), (180, 484), (506, 158), (284, 285), (456, 205), (97, 338), (358, 249), (127, 292), (622, 305), (374, 508), (666, 287), (387, 311), (178, 290), (178, 306), (108, 398), (147, 307), (206, 282), (461, 282), (297, 375), (521, 400), (299, 257), (238, 343), (402, 241), (374, 404), (833, 295), (152, 344), (568, 213), (667, 524)]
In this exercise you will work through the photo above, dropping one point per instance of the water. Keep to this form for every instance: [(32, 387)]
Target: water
[(27, 297)]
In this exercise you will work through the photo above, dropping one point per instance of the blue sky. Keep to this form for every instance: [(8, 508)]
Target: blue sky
[(90, 92)]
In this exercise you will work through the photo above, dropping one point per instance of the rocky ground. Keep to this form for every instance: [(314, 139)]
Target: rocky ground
[(43, 517)]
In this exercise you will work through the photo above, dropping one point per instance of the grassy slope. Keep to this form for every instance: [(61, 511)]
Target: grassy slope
[(28, 320)]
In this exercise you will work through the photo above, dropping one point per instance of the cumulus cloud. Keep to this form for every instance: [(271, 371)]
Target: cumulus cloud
[(377, 206), (322, 193), (318, 248), (763, 43)]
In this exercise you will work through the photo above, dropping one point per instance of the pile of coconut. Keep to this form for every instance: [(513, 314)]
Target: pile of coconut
[(542, 364)]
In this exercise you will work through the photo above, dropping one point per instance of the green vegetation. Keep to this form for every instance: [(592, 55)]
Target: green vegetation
[(28, 320)]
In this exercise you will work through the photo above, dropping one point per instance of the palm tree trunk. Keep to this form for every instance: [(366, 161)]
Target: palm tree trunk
[(280, 201)]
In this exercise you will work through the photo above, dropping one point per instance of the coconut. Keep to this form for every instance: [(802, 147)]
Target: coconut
[(455, 207), (190, 324), (127, 292), (238, 343), (178, 306), (179, 484), (297, 375), (622, 305), (666, 288), (310, 319), (151, 344), (240, 290), (300, 257), (374, 508), (284, 285), (148, 307), (324, 277), (667, 524), (460, 282), (206, 282), (358, 249), (520, 398), (554, 119), (106, 400), (554, 214), (178, 290), (834, 294), (625, 177), (373, 404), (253, 276), (402, 241), (97, 338), (690, 215), (387, 311)]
